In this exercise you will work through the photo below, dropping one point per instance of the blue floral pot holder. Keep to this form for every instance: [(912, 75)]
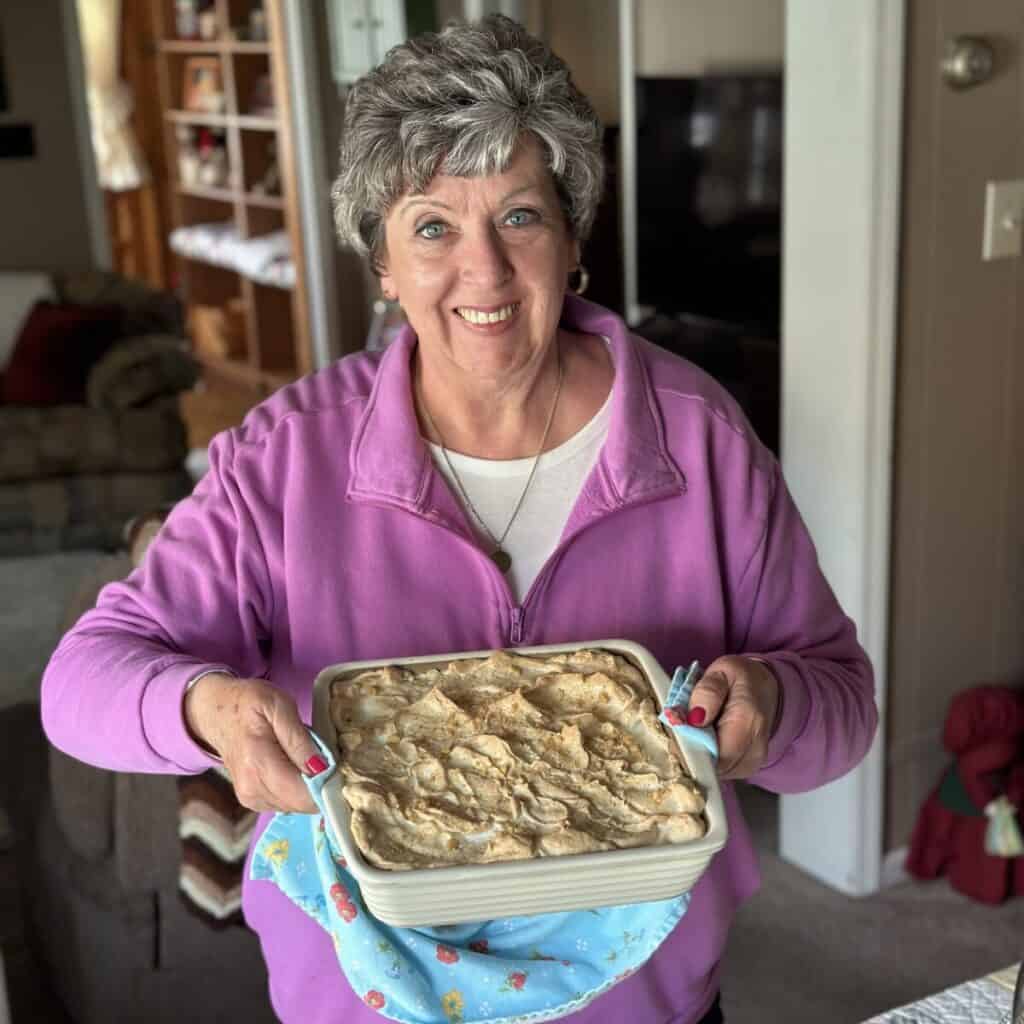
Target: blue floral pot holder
[(518, 969)]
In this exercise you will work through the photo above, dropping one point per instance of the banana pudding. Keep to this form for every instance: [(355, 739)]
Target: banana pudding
[(508, 757)]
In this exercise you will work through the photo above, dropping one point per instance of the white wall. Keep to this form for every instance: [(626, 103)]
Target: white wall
[(47, 209)]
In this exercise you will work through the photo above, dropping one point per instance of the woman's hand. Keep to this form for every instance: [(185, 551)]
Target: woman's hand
[(258, 734), (740, 697)]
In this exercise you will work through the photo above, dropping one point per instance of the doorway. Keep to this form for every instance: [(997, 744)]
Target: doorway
[(841, 157)]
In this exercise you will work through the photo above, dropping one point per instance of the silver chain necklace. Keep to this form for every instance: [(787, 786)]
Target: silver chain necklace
[(499, 556)]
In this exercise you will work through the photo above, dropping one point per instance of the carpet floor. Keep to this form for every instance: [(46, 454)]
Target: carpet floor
[(802, 953), (798, 953)]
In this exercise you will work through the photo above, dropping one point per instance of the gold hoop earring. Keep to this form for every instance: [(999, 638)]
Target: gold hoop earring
[(581, 285)]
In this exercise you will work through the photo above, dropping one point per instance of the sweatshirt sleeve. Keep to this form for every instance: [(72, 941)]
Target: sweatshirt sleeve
[(794, 623), (201, 601)]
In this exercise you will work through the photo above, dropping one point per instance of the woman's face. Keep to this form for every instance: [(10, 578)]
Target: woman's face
[(480, 266)]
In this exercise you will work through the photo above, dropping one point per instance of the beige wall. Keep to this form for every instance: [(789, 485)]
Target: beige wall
[(958, 530), (688, 37), (43, 222)]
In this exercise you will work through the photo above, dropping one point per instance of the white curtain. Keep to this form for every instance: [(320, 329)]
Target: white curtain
[(120, 165)]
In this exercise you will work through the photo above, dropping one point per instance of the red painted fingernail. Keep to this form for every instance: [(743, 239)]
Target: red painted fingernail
[(696, 716), (315, 765)]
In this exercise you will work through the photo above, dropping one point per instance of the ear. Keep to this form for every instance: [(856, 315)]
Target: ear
[(379, 265), (387, 282), (575, 253)]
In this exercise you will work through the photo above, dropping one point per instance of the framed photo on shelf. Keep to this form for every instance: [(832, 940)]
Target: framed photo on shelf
[(261, 99), (203, 87)]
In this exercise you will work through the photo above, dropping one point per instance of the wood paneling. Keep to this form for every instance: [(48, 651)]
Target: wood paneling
[(138, 219), (585, 34)]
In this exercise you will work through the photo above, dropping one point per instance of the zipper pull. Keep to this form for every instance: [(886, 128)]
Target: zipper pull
[(517, 626)]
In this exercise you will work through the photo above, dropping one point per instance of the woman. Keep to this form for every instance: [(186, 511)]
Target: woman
[(515, 468)]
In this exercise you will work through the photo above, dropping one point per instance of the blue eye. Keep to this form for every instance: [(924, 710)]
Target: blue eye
[(521, 218), (432, 229)]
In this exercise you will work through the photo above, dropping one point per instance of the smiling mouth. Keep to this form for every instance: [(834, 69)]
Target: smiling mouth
[(479, 316)]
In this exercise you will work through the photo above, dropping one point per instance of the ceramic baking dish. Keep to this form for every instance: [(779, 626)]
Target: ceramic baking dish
[(472, 892)]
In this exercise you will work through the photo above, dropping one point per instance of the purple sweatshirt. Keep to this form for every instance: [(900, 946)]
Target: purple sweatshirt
[(323, 533)]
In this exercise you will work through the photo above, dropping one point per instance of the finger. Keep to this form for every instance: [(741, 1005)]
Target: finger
[(267, 779), (749, 763), (742, 764), (293, 736), (733, 746), (707, 698), (285, 784), (741, 742)]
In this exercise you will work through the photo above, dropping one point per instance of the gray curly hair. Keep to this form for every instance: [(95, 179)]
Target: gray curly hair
[(458, 101)]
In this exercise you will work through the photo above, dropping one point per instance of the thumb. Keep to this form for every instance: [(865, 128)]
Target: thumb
[(294, 739), (707, 698)]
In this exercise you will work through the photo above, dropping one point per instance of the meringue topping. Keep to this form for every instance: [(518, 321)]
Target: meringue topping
[(509, 757)]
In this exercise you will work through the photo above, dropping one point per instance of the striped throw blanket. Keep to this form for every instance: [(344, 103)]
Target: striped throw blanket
[(215, 830)]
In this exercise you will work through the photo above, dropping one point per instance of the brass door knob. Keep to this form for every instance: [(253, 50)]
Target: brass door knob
[(967, 61)]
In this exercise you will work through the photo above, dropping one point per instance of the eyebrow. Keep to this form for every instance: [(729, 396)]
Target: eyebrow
[(424, 201), (517, 191), (428, 201)]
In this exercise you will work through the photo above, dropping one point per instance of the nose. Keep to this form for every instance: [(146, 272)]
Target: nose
[(484, 260)]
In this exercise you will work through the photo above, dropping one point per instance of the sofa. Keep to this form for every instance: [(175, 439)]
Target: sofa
[(92, 366), (99, 864)]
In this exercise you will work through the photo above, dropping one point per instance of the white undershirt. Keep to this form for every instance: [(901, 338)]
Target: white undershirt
[(494, 486)]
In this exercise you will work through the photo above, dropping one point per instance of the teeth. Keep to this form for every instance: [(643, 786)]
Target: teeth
[(475, 316)]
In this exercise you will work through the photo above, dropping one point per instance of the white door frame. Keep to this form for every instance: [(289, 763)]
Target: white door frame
[(843, 132), (843, 147)]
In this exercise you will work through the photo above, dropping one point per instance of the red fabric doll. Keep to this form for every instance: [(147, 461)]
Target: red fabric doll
[(983, 732)]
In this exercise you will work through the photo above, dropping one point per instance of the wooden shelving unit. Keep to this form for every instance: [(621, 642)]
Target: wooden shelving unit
[(214, 46), (277, 345)]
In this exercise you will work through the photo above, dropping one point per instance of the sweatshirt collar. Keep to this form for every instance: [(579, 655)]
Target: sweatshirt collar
[(390, 462)]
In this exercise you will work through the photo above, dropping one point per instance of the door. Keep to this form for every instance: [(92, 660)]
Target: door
[(352, 51), (958, 527), (387, 26)]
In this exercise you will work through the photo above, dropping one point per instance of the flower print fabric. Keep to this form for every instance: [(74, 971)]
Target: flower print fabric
[(522, 969)]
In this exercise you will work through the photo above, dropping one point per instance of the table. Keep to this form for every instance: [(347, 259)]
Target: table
[(986, 1000)]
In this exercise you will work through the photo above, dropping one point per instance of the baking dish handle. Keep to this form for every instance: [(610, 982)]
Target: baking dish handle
[(679, 692)]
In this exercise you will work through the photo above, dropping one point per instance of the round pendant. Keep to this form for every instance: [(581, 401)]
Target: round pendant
[(501, 560)]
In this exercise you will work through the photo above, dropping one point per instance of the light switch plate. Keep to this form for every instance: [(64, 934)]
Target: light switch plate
[(1004, 213)]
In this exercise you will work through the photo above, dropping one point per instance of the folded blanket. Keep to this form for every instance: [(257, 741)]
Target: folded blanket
[(204, 241), (215, 830), (263, 258), (252, 256)]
